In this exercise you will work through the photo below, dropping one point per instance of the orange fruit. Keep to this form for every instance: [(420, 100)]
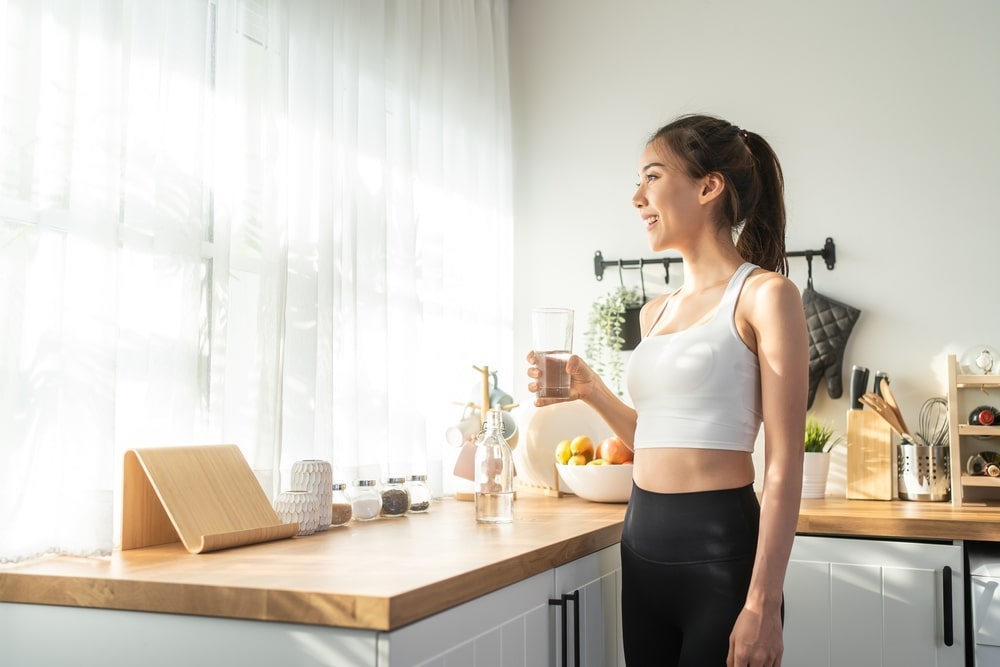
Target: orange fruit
[(582, 445), (577, 460), (613, 450), (562, 452)]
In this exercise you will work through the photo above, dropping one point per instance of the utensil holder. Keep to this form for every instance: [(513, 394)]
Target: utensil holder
[(924, 472)]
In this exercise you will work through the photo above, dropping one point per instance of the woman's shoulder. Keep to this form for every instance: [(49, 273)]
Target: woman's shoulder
[(768, 294)]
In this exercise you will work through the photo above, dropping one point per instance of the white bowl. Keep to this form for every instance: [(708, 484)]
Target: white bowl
[(544, 428), (600, 484)]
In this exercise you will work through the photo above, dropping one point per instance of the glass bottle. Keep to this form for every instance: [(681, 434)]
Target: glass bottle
[(494, 485), (366, 501), (420, 495), (395, 497), (341, 510), (984, 463)]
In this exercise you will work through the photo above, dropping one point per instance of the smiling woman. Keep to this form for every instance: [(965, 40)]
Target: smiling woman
[(242, 222)]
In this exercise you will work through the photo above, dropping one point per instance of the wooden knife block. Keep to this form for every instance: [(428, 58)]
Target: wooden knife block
[(871, 460)]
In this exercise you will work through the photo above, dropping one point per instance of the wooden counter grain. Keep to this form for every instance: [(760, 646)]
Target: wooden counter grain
[(385, 574), (377, 575)]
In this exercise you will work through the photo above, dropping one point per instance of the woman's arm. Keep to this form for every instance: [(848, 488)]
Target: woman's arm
[(587, 386), (777, 318)]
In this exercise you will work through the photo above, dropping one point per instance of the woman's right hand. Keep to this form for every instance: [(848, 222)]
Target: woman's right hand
[(582, 380)]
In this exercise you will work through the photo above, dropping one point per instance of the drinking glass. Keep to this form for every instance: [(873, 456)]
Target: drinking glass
[(552, 341)]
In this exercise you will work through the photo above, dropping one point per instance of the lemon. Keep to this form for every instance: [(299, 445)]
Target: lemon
[(562, 452), (582, 445)]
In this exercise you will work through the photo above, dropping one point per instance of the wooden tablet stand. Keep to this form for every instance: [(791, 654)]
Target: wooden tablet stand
[(205, 496)]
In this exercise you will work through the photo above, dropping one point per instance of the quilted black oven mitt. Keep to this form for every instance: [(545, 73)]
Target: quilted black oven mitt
[(829, 324)]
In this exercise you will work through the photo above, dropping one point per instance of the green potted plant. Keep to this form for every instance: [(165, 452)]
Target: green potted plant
[(613, 327), (819, 440)]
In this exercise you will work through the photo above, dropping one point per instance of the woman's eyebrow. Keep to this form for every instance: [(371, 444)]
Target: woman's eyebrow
[(651, 165)]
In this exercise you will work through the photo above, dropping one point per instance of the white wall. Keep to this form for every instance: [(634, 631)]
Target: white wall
[(885, 115)]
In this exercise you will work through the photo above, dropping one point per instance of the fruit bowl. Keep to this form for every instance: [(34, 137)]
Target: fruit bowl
[(597, 483)]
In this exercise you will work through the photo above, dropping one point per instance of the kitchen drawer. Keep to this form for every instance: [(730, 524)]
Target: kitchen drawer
[(984, 595)]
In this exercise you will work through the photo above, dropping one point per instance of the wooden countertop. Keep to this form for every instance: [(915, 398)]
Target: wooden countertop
[(377, 575), (384, 574)]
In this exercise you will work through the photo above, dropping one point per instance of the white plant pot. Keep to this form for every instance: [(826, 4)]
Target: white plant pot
[(815, 470)]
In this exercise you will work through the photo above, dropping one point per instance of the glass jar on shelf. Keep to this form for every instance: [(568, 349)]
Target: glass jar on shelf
[(366, 501), (420, 495), (395, 497)]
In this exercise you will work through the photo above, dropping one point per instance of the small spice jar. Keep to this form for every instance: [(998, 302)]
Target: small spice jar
[(420, 495), (395, 497), (366, 502), (341, 510)]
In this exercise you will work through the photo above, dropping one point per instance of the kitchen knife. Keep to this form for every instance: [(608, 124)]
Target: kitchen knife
[(859, 385), (877, 384)]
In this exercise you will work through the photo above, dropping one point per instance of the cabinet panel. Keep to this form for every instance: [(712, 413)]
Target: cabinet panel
[(869, 602), (597, 578), (507, 627)]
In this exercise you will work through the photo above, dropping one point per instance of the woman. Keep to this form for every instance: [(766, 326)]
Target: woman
[(703, 561)]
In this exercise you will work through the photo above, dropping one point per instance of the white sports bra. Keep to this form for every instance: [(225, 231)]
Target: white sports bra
[(698, 388)]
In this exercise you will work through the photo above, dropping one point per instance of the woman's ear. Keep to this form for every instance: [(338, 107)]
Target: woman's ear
[(712, 185)]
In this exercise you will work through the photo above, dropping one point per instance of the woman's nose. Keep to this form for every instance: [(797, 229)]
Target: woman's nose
[(639, 198)]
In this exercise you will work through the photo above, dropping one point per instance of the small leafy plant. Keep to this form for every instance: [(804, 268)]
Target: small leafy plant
[(604, 333), (819, 436)]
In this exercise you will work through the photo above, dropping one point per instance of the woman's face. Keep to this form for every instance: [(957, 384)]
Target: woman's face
[(668, 200)]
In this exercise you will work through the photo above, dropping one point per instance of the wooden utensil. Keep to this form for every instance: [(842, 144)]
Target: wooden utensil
[(891, 400), (880, 407)]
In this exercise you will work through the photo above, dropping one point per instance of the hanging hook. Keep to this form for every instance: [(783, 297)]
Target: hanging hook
[(809, 269), (642, 279), (621, 278)]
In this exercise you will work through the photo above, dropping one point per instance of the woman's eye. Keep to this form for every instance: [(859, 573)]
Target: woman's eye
[(651, 177)]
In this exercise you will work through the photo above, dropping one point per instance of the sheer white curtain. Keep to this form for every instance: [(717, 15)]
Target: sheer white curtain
[(280, 224)]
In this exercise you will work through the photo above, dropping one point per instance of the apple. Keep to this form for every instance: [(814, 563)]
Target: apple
[(613, 450)]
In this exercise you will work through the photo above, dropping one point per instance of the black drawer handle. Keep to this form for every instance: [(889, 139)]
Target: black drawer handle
[(575, 597), (949, 621), (562, 604)]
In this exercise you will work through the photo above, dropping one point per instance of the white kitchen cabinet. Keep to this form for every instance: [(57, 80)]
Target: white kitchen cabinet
[(512, 627), (876, 603), (517, 625)]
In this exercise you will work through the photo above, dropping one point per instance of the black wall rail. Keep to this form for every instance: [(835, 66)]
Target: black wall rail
[(828, 253)]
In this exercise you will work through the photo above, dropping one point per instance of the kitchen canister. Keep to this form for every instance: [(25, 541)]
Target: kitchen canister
[(395, 497), (340, 506), (420, 495), (301, 507), (316, 476), (923, 472), (366, 501)]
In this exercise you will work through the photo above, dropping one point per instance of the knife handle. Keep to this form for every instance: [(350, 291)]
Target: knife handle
[(859, 385)]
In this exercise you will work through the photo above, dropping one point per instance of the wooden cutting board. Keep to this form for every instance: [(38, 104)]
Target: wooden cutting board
[(205, 496)]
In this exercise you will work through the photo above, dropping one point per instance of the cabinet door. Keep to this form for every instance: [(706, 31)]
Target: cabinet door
[(597, 581), (507, 628), (877, 603)]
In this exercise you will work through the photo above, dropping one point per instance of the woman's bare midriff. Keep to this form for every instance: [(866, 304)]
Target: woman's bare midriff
[(680, 470)]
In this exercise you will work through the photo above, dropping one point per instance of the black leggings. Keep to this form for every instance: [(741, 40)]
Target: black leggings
[(686, 565)]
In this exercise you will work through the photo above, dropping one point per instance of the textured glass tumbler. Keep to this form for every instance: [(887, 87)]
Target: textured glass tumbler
[(316, 475), (301, 507)]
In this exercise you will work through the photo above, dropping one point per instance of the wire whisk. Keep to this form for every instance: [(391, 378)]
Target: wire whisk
[(934, 429)]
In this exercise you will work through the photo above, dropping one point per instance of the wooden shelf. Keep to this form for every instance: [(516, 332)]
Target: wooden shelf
[(966, 439), (966, 381), (980, 480), (989, 431)]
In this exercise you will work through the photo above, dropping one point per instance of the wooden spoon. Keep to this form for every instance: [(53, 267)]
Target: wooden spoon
[(891, 400), (879, 405)]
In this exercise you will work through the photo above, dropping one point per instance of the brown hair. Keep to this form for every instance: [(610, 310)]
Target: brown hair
[(753, 205)]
